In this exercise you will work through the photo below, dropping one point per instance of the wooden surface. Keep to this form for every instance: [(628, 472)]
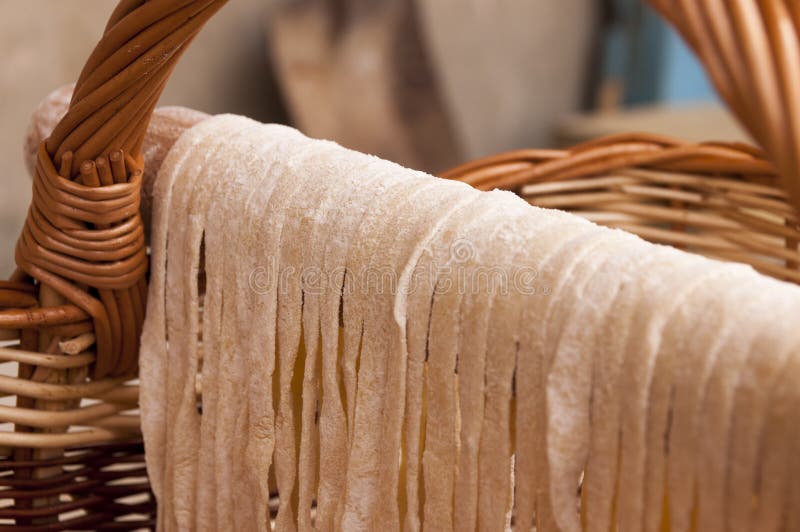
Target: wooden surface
[(509, 69), (358, 73), (695, 123)]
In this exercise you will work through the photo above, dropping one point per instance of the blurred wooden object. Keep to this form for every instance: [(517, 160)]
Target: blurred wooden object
[(356, 72), (509, 70)]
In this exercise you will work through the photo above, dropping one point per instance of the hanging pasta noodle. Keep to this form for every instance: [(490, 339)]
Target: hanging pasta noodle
[(399, 351)]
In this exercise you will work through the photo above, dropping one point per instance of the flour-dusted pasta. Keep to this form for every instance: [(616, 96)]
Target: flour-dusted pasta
[(153, 356), (707, 339), (464, 252), (292, 354), (555, 270), (600, 475), (717, 409), (367, 313), (303, 211), (495, 488), (586, 299), (317, 440), (779, 496), (671, 279), (530, 462), (680, 334), (230, 416), (402, 229), (179, 249), (401, 352), (504, 349), (456, 259), (441, 385), (203, 168), (429, 209), (757, 380), (341, 223)]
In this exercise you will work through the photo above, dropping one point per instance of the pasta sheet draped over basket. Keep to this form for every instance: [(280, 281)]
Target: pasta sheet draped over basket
[(399, 350)]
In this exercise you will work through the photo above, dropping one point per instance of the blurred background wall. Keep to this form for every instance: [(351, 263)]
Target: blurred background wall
[(427, 83)]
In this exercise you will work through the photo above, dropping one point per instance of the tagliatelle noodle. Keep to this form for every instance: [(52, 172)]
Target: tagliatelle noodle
[(359, 332), (456, 259), (233, 415)]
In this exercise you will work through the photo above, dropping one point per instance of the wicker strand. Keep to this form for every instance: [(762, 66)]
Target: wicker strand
[(720, 200), (79, 296), (751, 50)]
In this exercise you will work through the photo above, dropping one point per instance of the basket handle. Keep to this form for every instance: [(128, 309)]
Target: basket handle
[(751, 52), (83, 239)]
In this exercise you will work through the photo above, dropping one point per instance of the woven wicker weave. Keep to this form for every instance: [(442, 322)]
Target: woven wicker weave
[(751, 51), (71, 452), (72, 313), (728, 201), (720, 200)]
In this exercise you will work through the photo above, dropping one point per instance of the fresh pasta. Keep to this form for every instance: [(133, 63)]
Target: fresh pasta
[(403, 352)]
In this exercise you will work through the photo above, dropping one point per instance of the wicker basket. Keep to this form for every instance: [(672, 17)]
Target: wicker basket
[(727, 201), (71, 453), (720, 200), (751, 51), (71, 315)]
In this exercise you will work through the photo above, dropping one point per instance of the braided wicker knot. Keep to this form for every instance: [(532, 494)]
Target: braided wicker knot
[(77, 235), (84, 237)]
